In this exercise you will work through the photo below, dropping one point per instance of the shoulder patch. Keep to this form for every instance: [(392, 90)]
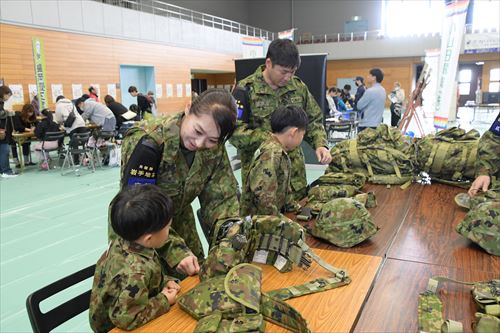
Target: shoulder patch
[(495, 127)]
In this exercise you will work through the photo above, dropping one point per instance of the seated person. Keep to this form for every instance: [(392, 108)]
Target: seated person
[(268, 183), (129, 287), (47, 124), (24, 121), (98, 113), (118, 109)]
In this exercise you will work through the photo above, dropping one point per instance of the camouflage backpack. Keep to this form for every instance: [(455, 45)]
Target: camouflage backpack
[(482, 226), (486, 295), (383, 154), (344, 222), (236, 303), (272, 240), (449, 156)]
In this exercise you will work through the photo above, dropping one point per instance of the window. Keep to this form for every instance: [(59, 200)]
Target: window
[(494, 85), (464, 78)]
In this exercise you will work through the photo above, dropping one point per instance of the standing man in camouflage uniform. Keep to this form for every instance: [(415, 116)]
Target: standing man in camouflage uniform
[(488, 161), (184, 155), (274, 84)]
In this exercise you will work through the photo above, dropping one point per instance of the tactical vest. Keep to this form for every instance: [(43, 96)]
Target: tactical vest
[(384, 155), (449, 156), (486, 295)]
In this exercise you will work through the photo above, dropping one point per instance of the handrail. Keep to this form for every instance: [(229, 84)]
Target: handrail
[(366, 35), (159, 7)]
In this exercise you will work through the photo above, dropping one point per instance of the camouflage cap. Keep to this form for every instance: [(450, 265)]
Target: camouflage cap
[(482, 226), (344, 222)]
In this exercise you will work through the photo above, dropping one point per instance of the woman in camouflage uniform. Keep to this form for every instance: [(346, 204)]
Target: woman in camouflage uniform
[(184, 154)]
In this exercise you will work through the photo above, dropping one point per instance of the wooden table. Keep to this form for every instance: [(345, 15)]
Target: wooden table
[(20, 139), (330, 311)]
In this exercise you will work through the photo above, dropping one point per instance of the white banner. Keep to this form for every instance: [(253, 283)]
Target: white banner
[(253, 47), (451, 41), (429, 93), (482, 43)]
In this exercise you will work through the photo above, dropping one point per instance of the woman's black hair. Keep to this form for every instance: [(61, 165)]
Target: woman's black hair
[(48, 115), (221, 106), (140, 209), (5, 90)]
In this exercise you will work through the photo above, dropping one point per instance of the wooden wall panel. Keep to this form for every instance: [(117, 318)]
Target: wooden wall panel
[(217, 79), (77, 58)]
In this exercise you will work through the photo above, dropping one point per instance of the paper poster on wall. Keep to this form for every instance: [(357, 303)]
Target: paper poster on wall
[(57, 90), (170, 90), (76, 88), (188, 89), (17, 94), (97, 89), (211, 86), (179, 89), (159, 90), (112, 89), (32, 90)]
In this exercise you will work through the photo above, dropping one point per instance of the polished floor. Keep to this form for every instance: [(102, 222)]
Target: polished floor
[(53, 225)]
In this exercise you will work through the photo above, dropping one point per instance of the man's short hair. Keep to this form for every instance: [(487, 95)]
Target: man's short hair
[(58, 98), (347, 87), (132, 89), (377, 72), (332, 90), (140, 209), (288, 116), (283, 52)]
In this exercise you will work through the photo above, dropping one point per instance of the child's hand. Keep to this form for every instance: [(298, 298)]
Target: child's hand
[(173, 285), (171, 295)]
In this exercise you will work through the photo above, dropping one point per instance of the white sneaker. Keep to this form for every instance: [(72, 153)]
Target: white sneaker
[(9, 175)]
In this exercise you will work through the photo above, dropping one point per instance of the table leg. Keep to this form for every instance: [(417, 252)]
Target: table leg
[(20, 155)]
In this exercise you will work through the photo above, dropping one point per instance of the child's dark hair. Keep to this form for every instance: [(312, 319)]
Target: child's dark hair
[(283, 52), (377, 72), (108, 99), (221, 106), (132, 89), (140, 209), (288, 116)]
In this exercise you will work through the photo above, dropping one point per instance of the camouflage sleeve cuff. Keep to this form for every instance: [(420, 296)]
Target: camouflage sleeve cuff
[(162, 303)]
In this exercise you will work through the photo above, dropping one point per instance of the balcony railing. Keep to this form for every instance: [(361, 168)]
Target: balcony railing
[(158, 7)]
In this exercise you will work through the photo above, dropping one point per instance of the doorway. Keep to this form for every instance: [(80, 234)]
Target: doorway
[(469, 76), (142, 77)]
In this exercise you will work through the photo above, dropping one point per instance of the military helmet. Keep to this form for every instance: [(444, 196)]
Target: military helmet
[(482, 226), (344, 222)]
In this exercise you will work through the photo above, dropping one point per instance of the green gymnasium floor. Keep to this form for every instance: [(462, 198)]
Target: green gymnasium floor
[(51, 226)]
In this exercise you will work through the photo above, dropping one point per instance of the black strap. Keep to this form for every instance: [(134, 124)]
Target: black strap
[(242, 97)]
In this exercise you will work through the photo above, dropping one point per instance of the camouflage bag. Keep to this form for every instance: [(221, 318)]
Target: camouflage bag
[(482, 226), (383, 154), (449, 156), (272, 240), (486, 295), (344, 222)]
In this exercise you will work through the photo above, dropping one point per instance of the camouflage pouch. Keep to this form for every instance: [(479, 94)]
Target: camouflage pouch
[(338, 178), (482, 226), (487, 297), (486, 323), (344, 222)]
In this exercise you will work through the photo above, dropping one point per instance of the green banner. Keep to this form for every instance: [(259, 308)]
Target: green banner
[(41, 84)]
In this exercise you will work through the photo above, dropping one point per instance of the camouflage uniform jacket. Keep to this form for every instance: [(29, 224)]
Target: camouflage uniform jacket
[(210, 179), (127, 287), (268, 181), (488, 162), (264, 101)]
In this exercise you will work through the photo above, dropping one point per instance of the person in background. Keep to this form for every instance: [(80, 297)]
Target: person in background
[(268, 184), (397, 98), (117, 108), (98, 113), (359, 82), (93, 94), (332, 106), (24, 121), (346, 96), (47, 124), (5, 134), (142, 103), (152, 102), (371, 104), (129, 287), (36, 105), (338, 100)]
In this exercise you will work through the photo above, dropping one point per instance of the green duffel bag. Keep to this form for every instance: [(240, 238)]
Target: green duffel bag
[(449, 156), (383, 155)]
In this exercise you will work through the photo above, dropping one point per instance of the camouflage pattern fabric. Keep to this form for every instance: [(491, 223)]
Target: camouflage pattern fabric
[(487, 296), (126, 292), (449, 155), (486, 323), (488, 161), (430, 313), (465, 201), (383, 155), (210, 179), (264, 101), (268, 181), (482, 226), (344, 222)]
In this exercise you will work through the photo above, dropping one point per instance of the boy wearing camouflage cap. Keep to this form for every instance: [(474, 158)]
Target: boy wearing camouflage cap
[(267, 190), (129, 287)]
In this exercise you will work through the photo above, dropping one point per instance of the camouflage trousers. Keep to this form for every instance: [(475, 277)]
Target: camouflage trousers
[(298, 178)]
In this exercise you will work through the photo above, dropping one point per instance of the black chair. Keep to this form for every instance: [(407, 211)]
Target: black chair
[(78, 149), (45, 322), (51, 137), (104, 138)]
